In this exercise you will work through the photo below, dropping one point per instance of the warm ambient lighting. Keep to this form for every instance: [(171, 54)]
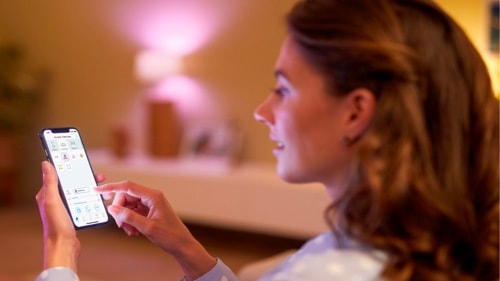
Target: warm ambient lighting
[(151, 66), (165, 33), (191, 97), (176, 28)]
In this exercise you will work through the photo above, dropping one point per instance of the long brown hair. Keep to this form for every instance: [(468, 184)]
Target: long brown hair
[(425, 189)]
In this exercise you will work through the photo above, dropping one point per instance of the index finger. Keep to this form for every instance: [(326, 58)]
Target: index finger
[(127, 187)]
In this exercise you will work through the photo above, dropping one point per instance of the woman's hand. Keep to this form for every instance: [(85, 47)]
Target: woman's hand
[(139, 209), (61, 246)]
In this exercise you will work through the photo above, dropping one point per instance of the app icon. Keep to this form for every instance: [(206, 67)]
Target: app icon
[(65, 156)]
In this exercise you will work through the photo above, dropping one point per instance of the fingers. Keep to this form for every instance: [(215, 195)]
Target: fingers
[(131, 222), (48, 198), (126, 187), (61, 246), (107, 196), (55, 219), (134, 193), (99, 178), (133, 206), (130, 230)]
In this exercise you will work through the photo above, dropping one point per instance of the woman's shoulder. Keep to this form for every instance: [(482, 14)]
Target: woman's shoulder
[(326, 258)]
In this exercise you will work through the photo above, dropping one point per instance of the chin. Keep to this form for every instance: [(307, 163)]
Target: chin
[(291, 175)]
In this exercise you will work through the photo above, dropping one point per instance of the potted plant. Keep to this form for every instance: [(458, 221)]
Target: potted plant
[(20, 88)]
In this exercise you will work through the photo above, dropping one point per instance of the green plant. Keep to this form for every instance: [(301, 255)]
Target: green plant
[(20, 88)]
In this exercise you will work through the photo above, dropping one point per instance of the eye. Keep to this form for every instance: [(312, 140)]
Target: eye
[(281, 91)]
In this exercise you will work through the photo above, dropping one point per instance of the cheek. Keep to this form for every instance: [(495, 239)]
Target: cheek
[(314, 142), (310, 130), (291, 129), (303, 138)]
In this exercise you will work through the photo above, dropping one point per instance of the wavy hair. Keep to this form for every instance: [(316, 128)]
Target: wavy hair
[(425, 187)]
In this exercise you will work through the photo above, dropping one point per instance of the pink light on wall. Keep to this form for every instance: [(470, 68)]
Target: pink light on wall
[(193, 102), (171, 88), (166, 31), (151, 66), (176, 27)]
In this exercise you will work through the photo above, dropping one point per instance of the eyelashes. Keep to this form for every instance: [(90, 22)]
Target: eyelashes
[(281, 91)]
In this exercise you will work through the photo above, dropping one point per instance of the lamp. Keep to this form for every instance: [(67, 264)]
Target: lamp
[(152, 66), (164, 129)]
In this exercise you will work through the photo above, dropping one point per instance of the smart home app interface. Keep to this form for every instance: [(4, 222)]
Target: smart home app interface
[(75, 177)]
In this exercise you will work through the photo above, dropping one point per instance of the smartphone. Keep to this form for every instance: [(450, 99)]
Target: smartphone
[(64, 148)]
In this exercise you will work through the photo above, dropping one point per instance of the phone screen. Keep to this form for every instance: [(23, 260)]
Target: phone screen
[(65, 150)]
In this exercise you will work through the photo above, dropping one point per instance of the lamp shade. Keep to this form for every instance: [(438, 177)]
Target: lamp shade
[(152, 66)]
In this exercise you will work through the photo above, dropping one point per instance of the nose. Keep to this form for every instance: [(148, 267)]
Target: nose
[(263, 112)]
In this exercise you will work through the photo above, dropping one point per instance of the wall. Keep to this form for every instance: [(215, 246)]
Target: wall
[(89, 47), (472, 15)]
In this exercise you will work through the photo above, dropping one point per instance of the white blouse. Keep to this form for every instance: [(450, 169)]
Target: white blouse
[(321, 258)]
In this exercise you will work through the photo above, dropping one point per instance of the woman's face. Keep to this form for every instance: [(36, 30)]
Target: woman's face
[(305, 122)]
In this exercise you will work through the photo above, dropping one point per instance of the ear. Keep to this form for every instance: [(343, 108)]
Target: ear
[(360, 105)]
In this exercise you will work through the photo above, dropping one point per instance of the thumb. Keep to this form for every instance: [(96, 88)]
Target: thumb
[(49, 175), (123, 215), (49, 191)]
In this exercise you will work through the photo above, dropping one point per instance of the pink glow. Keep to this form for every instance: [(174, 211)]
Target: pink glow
[(179, 88), (177, 28), (151, 66), (191, 98)]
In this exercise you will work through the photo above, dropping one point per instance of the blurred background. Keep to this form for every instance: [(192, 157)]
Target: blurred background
[(88, 52), (83, 60), (169, 80)]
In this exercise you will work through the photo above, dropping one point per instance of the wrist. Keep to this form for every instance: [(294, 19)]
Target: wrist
[(61, 252), (194, 260)]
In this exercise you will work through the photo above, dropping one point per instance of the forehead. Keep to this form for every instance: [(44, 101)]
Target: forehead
[(292, 65), (289, 57)]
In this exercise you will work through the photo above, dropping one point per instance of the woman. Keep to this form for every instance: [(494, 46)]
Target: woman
[(388, 104)]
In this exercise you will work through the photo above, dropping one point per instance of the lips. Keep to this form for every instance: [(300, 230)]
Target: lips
[(279, 145)]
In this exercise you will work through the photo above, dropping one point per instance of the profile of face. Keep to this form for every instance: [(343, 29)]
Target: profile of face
[(306, 122)]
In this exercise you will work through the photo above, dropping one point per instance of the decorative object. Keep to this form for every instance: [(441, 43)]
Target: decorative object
[(165, 131), (120, 141), (223, 142), (152, 67)]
